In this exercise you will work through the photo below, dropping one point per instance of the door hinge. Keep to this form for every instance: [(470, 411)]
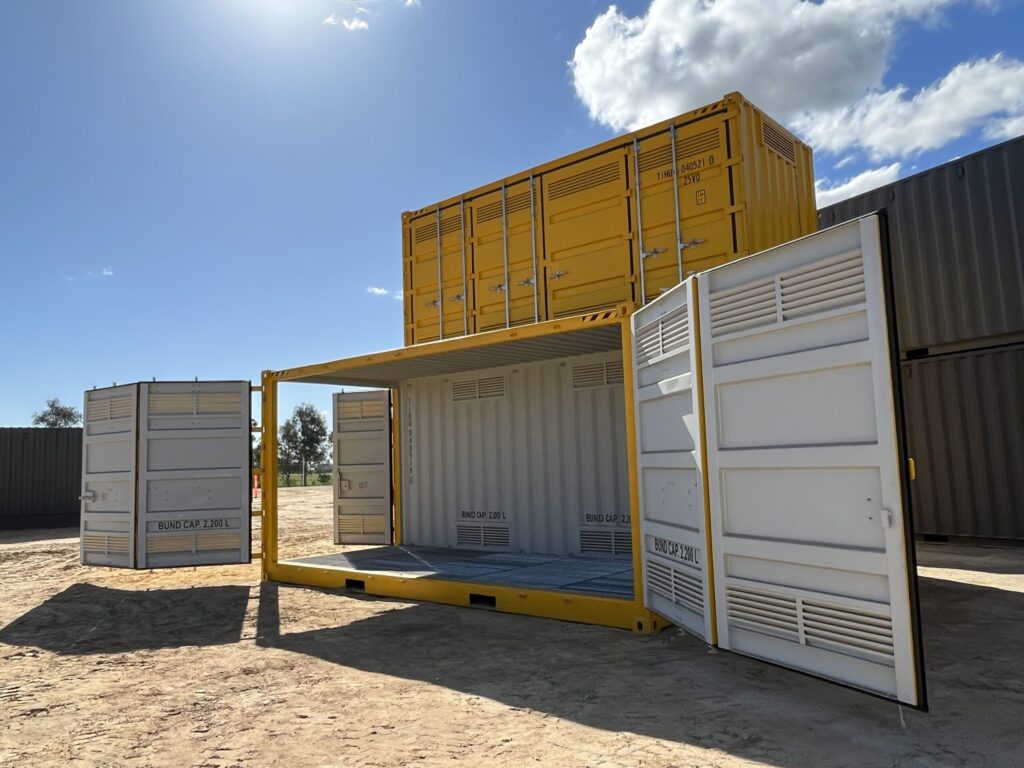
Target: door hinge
[(912, 469)]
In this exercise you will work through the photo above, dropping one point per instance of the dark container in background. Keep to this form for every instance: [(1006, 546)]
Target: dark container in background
[(957, 238), (40, 477), (965, 430)]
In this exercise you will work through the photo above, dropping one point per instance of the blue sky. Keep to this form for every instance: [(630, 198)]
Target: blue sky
[(210, 188)]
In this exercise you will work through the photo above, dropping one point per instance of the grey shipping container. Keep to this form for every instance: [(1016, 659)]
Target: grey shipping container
[(957, 238), (40, 477), (965, 431)]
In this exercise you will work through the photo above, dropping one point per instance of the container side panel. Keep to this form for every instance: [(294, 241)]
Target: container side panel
[(362, 467), (812, 559), (964, 416), (522, 459), (670, 464), (108, 506), (957, 238), (587, 235), (194, 475)]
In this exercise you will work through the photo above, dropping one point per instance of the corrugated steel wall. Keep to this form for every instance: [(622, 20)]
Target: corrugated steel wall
[(957, 237), (965, 430), (40, 477), (535, 454)]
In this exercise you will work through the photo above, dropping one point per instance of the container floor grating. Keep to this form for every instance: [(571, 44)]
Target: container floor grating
[(608, 576)]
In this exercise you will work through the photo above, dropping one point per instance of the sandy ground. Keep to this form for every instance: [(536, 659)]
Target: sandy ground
[(208, 667)]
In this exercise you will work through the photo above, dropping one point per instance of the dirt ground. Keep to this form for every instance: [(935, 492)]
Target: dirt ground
[(209, 667)]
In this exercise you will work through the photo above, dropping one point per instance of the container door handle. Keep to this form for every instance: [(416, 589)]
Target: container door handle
[(88, 496), (433, 303), (653, 252), (692, 243), (558, 274), (459, 297), (499, 288)]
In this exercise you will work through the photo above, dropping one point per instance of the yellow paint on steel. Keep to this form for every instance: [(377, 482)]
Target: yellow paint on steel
[(584, 609), (645, 621), (396, 463), (711, 185), (698, 405), (268, 461), (610, 316), (912, 468)]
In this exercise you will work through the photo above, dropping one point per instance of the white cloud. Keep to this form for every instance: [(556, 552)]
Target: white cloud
[(818, 66), (331, 20), (845, 162), (1005, 128), (893, 123), (353, 24), (360, 9), (377, 291), (398, 295), (411, 3), (106, 272), (827, 194)]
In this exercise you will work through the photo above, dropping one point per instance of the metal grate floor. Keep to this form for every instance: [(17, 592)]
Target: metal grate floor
[(609, 576)]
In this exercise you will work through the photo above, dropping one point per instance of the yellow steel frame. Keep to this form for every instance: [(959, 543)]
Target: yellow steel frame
[(588, 609)]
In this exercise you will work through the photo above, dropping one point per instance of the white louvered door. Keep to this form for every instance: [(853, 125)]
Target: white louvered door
[(362, 467), (813, 554), (109, 440), (670, 463), (194, 474)]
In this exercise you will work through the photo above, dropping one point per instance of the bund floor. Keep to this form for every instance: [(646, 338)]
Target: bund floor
[(607, 576)]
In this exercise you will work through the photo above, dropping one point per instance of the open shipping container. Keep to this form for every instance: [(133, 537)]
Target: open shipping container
[(728, 458), (620, 222)]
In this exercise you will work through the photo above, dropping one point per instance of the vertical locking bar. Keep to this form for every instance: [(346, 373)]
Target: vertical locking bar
[(533, 249), (504, 248), (675, 192), (639, 219), (440, 285), (465, 296)]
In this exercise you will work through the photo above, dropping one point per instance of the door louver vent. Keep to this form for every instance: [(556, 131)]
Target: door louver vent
[(588, 179), (861, 633), (605, 542), (513, 203), (664, 336), (824, 285), (188, 404), (676, 585), (362, 524), (105, 544), (110, 409), (597, 374), (483, 536), (360, 409), (692, 145), (427, 232), (818, 287), (478, 389), (745, 307), (776, 139)]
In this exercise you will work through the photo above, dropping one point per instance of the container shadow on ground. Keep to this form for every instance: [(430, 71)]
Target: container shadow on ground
[(86, 619), (672, 687)]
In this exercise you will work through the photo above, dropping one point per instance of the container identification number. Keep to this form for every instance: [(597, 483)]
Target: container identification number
[(682, 552), (689, 171)]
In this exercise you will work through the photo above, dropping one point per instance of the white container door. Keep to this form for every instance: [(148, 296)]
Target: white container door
[(813, 554), (108, 477), (362, 467), (670, 464), (194, 474)]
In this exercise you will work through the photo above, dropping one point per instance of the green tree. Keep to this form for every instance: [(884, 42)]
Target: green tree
[(313, 433), (289, 447), (57, 414)]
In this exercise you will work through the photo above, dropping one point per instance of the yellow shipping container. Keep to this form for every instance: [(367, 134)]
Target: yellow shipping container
[(617, 223)]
